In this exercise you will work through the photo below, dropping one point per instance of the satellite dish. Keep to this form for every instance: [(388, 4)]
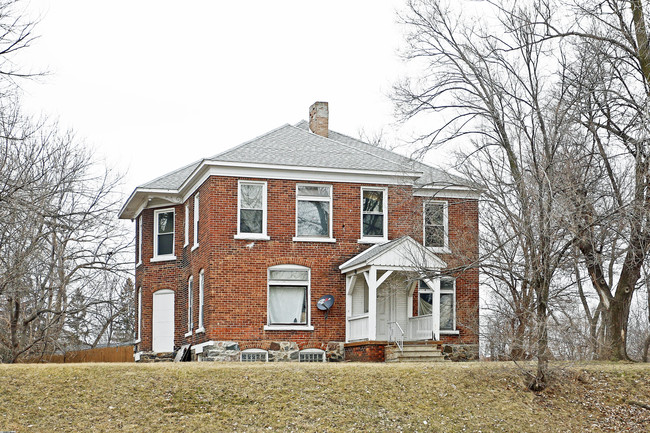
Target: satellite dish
[(325, 303)]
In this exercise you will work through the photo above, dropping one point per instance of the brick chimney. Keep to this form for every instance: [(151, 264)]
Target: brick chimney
[(319, 118)]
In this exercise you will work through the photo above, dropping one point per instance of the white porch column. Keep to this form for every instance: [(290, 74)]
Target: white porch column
[(435, 306), (371, 279), (348, 306)]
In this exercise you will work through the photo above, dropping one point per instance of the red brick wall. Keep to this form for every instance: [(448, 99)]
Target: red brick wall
[(365, 352), (236, 275)]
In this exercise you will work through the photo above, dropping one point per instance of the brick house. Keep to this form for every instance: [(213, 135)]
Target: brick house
[(238, 254)]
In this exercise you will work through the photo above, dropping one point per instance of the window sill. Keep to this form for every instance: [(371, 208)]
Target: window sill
[(185, 244), (306, 239), (288, 328), (137, 265), (449, 332), (137, 341), (162, 259), (372, 240), (195, 246), (201, 330), (189, 334), (252, 236)]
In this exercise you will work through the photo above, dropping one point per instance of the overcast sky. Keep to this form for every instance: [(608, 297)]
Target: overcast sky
[(154, 85)]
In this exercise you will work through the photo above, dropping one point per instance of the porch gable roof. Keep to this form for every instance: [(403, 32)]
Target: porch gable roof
[(402, 252)]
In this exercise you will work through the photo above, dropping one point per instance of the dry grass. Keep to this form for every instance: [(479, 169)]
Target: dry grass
[(206, 397)]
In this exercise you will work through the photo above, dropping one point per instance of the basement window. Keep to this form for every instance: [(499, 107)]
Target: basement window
[(312, 355), (254, 355)]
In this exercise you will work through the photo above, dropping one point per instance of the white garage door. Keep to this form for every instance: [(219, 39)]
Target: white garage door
[(163, 321)]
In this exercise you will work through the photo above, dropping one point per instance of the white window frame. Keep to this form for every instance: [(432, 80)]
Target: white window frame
[(201, 327), (329, 237), (375, 239), (186, 225), (445, 217), (139, 241), (195, 234), (190, 302), (307, 326), (245, 351), (312, 351), (164, 257), (139, 336), (452, 292), (253, 236)]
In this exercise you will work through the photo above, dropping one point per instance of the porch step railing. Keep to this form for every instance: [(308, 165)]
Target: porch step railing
[(396, 335), (420, 328)]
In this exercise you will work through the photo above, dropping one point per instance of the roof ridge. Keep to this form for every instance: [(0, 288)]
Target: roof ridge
[(247, 142), (354, 148)]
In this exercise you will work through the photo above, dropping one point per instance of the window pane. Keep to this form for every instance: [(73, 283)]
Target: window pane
[(373, 201), (251, 196), (446, 284), (435, 214), (447, 311), (373, 225), (313, 218), (314, 191), (165, 244), (166, 222), (435, 236), (288, 275), (250, 221), (425, 304), (287, 304)]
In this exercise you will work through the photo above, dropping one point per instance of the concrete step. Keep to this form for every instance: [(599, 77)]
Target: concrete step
[(414, 352)]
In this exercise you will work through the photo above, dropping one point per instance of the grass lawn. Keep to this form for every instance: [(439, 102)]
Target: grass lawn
[(212, 397)]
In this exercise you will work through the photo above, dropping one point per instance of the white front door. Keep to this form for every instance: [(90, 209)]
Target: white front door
[(163, 321), (391, 307)]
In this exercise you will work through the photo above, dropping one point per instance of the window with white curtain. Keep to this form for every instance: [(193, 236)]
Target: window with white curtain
[(447, 302), (288, 296)]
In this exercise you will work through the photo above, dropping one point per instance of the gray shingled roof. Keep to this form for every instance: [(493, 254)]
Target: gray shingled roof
[(372, 252), (297, 146), (431, 174)]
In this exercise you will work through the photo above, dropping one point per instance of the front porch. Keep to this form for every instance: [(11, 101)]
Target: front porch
[(381, 289)]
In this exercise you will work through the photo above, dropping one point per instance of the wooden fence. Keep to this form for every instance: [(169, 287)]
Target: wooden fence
[(102, 354)]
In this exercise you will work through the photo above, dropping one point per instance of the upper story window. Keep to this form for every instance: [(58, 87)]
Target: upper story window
[(186, 225), (314, 212), (436, 233), (251, 210), (196, 220), (139, 262), (164, 234), (288, 297), (374, 223)]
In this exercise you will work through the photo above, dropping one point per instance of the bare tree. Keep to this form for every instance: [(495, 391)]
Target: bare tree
[(489, 82), (58, 235), (606, 67)]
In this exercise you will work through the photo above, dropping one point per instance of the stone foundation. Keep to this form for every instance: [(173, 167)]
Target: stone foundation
[(460, 352), (154, 357), (278, 351)]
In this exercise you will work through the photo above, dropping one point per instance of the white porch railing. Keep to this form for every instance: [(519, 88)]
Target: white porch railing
[(420, 328), (396, 334), (358, 327)]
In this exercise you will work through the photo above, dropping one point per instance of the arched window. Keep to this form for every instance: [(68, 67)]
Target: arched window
[(288, 297), (201, 300), (190, 296)]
